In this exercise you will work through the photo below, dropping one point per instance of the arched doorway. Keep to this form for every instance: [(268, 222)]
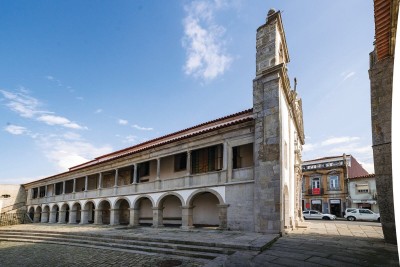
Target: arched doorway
[(37, 217), (122, 213), (31, 213), (205, 210), (75, 216), (103, 212), (54, 214), (144, 208), (171, 209)]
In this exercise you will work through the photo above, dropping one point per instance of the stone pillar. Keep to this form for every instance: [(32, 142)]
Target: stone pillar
[(44, 218), (86, 183), (74, 186), (54, 189), (158, 168), (229, 156), (98, 216), (187, 217), (63, 191), (223, 216), (158, 217), (188, 163), (100, 180), (381, 76), (53, 217), (72, 216), (133, 217), (270, 83), (61, 216), (114, 216), (84, 217), (135, 177), (116, 182), (45, 190)]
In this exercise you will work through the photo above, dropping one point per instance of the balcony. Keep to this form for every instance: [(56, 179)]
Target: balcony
[(316, 191)]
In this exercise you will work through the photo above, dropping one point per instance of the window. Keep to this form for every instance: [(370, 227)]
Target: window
[(5, 196), (242, 156), (362, 188), (334, 182), (315, 182), (143, 170), (303, 184), (34, 192), (207, 159), (180, 162), (42, 191), (59, 188)]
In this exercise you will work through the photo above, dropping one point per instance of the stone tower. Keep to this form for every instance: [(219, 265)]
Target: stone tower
[(278, 132)]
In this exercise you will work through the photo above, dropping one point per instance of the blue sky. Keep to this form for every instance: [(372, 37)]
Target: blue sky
[(82, 78)]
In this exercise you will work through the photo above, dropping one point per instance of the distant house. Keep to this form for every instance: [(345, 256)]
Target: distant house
[(324, 183), (362, 192)]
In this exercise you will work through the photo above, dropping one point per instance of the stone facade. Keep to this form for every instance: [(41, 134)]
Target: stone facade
[(239, 172), (12, 198)]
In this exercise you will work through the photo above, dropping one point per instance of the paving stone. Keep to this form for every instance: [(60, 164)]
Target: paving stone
[(329, 262)]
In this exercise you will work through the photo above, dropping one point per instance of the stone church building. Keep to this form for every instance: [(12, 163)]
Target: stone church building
[(239, 172)]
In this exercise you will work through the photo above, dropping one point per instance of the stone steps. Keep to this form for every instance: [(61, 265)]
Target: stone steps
[(134, 244)]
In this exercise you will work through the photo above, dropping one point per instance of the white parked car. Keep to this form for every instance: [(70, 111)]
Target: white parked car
[(362, 214), (314, 214)]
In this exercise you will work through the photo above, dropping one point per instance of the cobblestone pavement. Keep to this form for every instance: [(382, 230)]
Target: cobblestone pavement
[(16, 254), (324, 244)]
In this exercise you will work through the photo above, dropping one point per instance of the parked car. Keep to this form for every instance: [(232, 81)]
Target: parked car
[(314, 214), (362, 214)]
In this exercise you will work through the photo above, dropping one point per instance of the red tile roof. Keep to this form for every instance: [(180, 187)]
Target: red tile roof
[(372, 175), (246, 115)]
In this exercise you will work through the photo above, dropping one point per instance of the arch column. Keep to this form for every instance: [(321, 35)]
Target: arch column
[(98, 216), (53, 216), (114, 216), (157, 217), (43, 217), (133, 217), (61, 216), (187, 217), (223, 216), (84, 217), (72, 216)]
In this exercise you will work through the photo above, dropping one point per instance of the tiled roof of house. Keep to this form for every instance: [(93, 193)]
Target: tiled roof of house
[(233, 119), (372, 175)]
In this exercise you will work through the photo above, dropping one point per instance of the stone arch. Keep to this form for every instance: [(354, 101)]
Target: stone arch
[(206, 207), (168, 211), (38, 215), (103, 212), (163, 196), (75, 213), (64, 213), (88, 212), (31, 212), (143, 210), (121, 211)]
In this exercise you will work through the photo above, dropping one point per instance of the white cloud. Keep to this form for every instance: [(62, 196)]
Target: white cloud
[(369, 167), (339, 140), (141, 128), (14, 129), (348, 75), (68, 153), (28, 107), (122, 122), (79, 98), (308, 147), (351, 149), (72, 136), (206, 57), (57, 120), (99, 110), (131, 139), (53, 79)]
